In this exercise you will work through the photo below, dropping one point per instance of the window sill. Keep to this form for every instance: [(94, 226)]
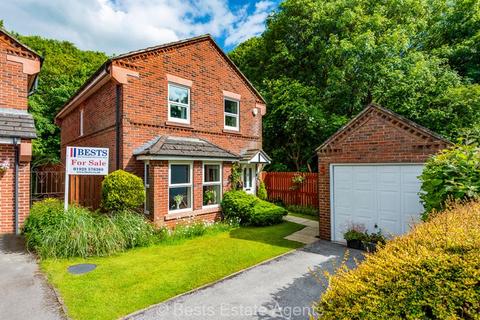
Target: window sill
[(231, 131), (192, 213), (178, 124)]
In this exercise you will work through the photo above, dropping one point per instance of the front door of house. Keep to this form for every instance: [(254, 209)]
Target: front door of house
[(249, 178)]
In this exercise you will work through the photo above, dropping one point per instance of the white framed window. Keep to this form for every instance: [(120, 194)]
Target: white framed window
[(231, 112), (81, 122), (212, 184), (146, 180), (178, 103), (180, 186)]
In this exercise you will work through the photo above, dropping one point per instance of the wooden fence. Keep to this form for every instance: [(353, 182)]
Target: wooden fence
[(48, 182), (280, 186)]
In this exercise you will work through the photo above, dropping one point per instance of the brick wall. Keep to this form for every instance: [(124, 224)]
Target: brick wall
[(13, 82), (98, 123), (145, 108), (376, 137), (7, 187)]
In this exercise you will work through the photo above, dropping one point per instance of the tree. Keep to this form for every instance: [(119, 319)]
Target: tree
[(295, 123), (399, 53), (64, 70)]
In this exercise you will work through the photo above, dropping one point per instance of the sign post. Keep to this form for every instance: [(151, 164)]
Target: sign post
[(84, 161)]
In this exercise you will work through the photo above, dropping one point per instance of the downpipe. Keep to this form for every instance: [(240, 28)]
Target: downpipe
[(16, 142)]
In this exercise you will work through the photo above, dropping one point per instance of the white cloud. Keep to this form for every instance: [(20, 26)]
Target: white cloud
[(118, 26)]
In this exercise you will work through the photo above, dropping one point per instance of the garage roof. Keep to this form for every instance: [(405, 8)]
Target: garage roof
[(389, 115)]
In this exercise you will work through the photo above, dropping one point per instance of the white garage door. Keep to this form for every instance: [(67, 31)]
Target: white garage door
[(382, 196)]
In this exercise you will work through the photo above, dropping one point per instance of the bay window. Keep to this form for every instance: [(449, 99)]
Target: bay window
[(180, 186), (178, 103), (212, 184), (231, 112)]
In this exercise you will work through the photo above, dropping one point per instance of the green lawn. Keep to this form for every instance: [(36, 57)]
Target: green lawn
[(305, 216), (133, 280)]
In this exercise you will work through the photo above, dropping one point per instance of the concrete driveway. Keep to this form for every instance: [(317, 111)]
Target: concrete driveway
[(283, 288), (23, 290)]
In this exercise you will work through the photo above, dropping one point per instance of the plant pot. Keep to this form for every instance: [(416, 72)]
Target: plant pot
[(355, 244), (370, 246)]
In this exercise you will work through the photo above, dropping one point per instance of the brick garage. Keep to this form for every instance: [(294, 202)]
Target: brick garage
[(125, 106), (367, 171), (19, 67)]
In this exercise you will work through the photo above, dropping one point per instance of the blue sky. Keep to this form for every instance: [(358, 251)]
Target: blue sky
[(118, 26)]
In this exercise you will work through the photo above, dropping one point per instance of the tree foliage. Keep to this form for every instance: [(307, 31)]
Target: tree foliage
[(325, 60), (65, 68)]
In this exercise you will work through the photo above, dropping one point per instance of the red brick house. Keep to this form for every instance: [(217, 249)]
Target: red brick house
[(177, 115), (368, 173), (19, 67)]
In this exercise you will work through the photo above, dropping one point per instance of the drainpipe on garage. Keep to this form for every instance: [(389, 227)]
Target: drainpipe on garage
[(16, 142)]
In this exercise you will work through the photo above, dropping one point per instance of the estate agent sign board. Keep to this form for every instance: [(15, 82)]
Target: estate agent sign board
[(84, 161)]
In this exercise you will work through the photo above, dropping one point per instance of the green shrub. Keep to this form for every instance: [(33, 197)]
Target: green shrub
[(262, 191), (431, 273), (307, 210), (452, 174), (266, 214), (136, 230), (238, 205), (122, 191), (250, 210), (43, 214)]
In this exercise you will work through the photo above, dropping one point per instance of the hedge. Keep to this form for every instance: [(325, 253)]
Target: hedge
[(433, 272), (250, 210)]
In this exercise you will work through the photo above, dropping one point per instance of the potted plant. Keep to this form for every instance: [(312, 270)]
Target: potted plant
[(355, 236), (372, 240), (297, 181), (209, 197), (178, 200), (4, 167)]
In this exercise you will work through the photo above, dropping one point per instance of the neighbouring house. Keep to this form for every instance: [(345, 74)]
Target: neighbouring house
[(178, 115), (19, 67), (368, 173)]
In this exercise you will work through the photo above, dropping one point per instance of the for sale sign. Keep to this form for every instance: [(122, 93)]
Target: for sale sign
[(87, 161)]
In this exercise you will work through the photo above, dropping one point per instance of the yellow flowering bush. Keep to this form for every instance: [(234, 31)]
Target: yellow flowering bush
[(433, 272)]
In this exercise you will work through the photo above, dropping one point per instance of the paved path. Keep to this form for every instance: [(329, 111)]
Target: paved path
[(23, 289), (308, 234), (283, 288)]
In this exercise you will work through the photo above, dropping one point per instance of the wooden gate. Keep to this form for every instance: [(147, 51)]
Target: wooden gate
[(280, 186)]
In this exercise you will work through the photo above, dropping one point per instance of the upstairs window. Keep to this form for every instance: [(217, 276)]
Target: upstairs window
[(231, 111), (178, 103)]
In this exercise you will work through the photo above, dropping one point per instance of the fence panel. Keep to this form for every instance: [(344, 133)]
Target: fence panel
[(86, 191), (281, 187)]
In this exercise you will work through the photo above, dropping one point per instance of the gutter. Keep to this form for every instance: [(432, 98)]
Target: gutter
[(94, 80)]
